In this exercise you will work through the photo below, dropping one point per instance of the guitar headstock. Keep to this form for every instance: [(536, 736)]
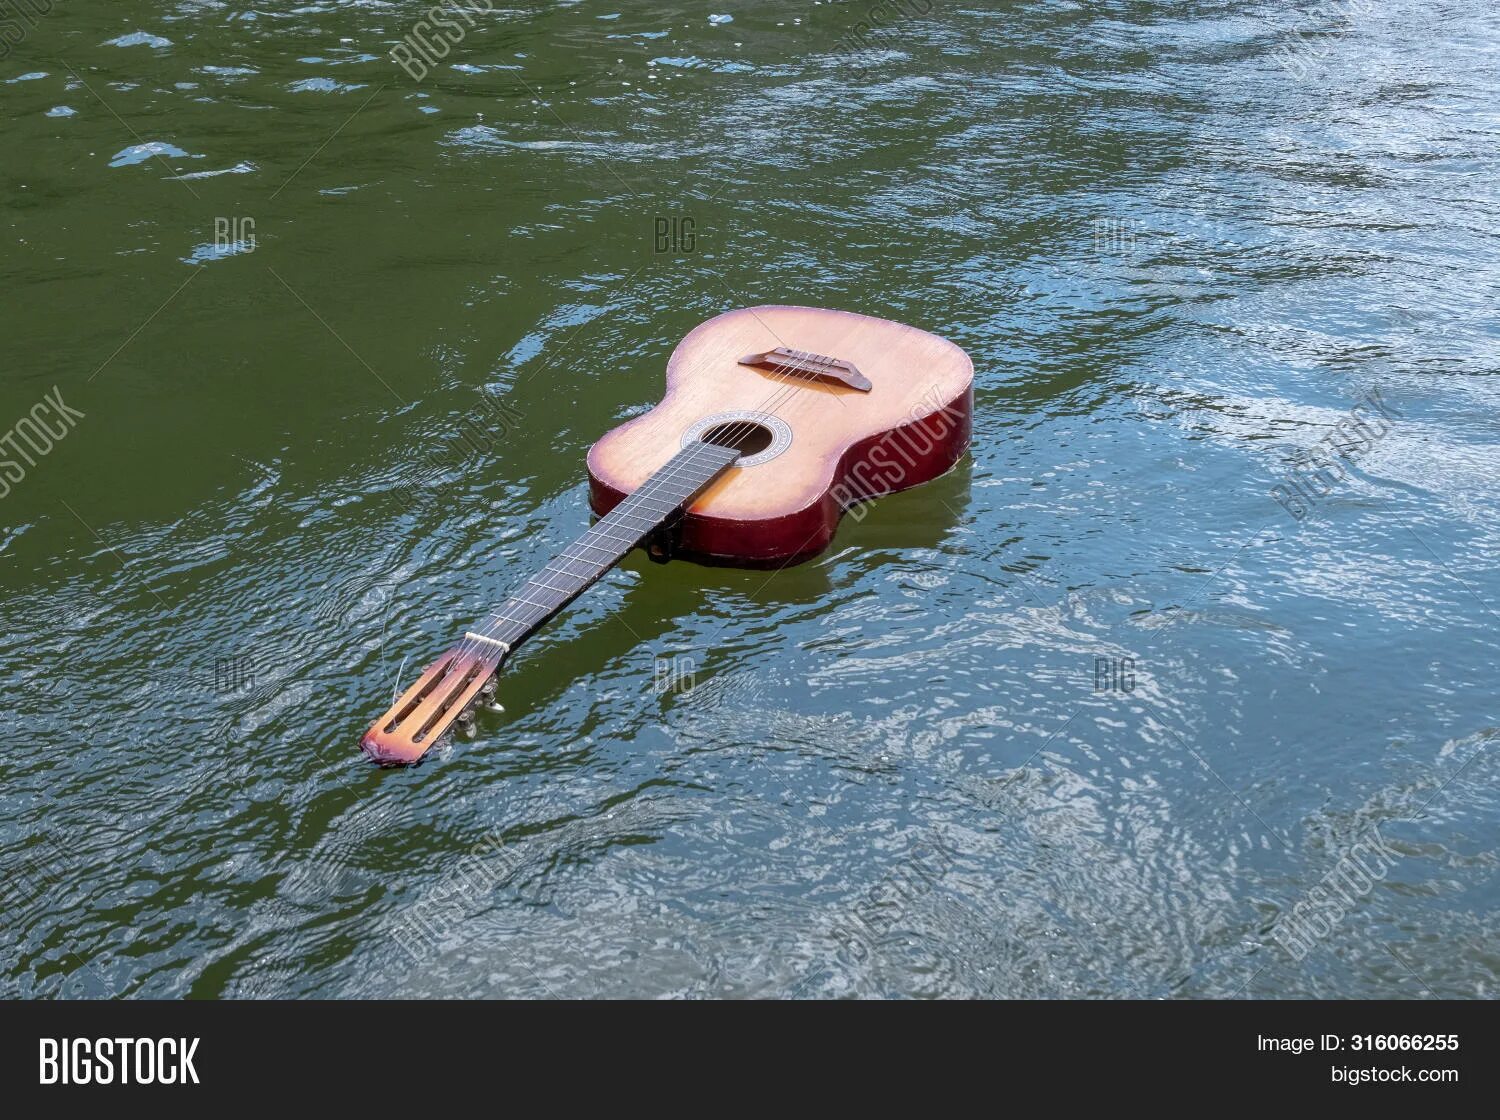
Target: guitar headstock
[(444, 694)]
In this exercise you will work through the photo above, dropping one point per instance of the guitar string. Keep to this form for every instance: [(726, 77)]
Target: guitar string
[(659, 481), (527, 623), (469, 647), (780, 395)]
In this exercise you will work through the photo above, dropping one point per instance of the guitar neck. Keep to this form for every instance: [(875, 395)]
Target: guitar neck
[(464, 675), (606, 543)]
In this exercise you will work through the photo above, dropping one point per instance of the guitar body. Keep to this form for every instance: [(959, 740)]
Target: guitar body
[(813, 447), (775, 420)]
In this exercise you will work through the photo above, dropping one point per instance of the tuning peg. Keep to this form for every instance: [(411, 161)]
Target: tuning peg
[(486, 699)]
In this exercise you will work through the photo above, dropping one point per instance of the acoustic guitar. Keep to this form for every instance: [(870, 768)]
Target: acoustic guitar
[(775, 420)]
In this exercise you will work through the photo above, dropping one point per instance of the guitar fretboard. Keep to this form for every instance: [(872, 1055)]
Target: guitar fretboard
[(568, 574)]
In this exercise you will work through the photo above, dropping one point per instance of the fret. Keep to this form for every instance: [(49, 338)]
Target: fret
[(589, 571), (524, 620), (591, 564), (649, 521), (667, 506), (580, 542), (666, 499), (675, 485), (622, 544), (543, 599), (670, 492), (540, 582)]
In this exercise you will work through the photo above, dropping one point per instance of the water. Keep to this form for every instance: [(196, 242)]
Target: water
[(1092, 716)]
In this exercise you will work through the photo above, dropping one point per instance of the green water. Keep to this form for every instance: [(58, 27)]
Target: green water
[(1092, 716)]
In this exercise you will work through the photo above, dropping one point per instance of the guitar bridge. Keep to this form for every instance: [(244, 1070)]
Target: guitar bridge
[(819, 367)]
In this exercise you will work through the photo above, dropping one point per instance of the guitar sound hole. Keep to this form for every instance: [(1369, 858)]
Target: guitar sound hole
[(746, 438)]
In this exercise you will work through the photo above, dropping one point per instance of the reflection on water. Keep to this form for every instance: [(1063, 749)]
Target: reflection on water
[(1180, 248)]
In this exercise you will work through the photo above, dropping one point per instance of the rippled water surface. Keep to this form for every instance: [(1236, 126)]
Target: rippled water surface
[(1094, 715)]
